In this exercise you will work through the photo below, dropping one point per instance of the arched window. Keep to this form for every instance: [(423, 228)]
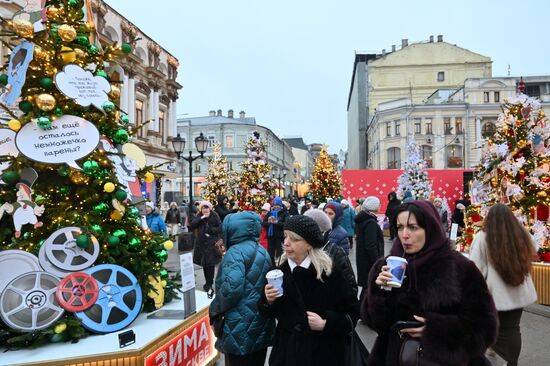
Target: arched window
[(394, 158), (427, 155), (488, 129)]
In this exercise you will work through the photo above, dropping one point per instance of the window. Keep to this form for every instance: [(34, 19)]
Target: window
[(394, 158), (427, 155), (388, 129), (441, 76), (532, 90), (458, 125), (497, 97), (454, 156), (229, 141), (161, 122), (197, 167), (230, 166), (488, 129), (139, 115), (417, 125), (447, 125), (486, 97), (397, 128), (428, 124), (211, 141)]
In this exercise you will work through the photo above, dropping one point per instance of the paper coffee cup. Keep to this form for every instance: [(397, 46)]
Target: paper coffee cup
[(275, 279), (398, 267)]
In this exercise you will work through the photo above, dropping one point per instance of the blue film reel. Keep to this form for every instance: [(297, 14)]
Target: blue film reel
[(119, 301)]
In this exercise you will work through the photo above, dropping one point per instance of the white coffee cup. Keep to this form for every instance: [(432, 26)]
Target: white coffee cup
[(398, 267), (275, 279)]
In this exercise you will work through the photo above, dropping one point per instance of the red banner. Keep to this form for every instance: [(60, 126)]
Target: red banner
[(447, 184), (194, 346)]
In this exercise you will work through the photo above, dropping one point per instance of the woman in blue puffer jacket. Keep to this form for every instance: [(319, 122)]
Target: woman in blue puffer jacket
[(338, 235), (239, 285)]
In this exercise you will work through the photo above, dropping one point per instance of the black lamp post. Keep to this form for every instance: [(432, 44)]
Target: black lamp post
[(201, 144), (279, 177)]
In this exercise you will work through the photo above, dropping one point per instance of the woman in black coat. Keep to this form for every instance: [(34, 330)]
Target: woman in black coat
[(318, 308), (391, 211), (207, 228), (442, 289)]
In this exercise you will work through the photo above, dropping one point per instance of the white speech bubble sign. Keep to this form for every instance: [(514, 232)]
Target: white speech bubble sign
[(70, 138), (82, 86), (7, 147)]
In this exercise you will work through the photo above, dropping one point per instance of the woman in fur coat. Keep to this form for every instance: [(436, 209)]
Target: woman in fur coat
[(442, 289)]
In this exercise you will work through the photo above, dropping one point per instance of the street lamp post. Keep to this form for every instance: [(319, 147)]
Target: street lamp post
[(279, 177), (178, 144)]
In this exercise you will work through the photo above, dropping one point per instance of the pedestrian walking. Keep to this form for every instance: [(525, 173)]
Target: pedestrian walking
[(173, 219), (153, 219), (391, 211), (438, 204), (246, 333), (263, 234), (221, 208), (503, 251), (348, 220), (274, 223), (338, 235)]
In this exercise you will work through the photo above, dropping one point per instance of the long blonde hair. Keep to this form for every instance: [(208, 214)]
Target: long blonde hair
[(319, 258)]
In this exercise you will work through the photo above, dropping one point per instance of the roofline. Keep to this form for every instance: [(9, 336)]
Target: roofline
[(359, 57)]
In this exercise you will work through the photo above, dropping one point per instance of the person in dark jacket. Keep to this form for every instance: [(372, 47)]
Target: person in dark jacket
[(370, 242), (274, 222), (339, 258), (442, 289), (348, 220), (173, 219), (318, 308), (154, 221), (207, 226), (293, 210), (221, 208), (391, 210), (239, 286), (338, 235), (458, 217)]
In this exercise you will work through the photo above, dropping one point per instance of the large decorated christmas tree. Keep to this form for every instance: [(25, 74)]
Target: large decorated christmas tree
[(515, 170), (75, 257), (414, 178), (325, 180), (256, 186), (218, 181)]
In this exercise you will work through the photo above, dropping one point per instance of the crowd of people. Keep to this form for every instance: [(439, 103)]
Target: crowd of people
[(459, 310)]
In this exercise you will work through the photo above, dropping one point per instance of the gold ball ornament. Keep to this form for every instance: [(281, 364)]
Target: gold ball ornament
[(168, 244), (114, 94), (14, 125), (108, 187), (79, 53), (163, 283), (541, 194), (67, 54), (45, 102), (40, 55), (66, 32), (60, 328), (149, 177), (78, 177), (23, 28), (115, 215), (53, 13)]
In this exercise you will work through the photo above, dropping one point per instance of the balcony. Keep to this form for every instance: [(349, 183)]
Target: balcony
[(454, 162)]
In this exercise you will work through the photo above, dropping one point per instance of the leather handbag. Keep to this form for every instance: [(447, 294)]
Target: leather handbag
[(409, 350), (219, 247), (356, 352)]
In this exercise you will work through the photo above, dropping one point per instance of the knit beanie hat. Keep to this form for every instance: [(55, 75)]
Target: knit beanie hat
[(344, 202), (150, 204), (307, 228), (331, 205), (206, 203), (371, 203), (321, 218), (266, 207), (277, 201)]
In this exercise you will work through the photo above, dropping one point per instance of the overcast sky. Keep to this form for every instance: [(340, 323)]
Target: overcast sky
[(289, 62)]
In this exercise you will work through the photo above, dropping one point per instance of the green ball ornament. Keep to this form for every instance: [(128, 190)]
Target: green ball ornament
[(40, 243), (132, 212), (90, 167), (126, 48), (3, 79), (25, 106), (134, 243), (82, 40), (108, 107), (113, 241), (75, 3), (58, 111), (46, 83), (44, 123), (119, 233), (121, 195), (63, 190), (97, 228), (163, 273), (63, 171), (10, 177), (83, 241), (101, 208), (101, 73), (26, 235), (93, 50), (121, 137), (125, 119), (162, 256)]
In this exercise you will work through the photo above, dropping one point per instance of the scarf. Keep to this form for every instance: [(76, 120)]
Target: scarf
[(275, 215)]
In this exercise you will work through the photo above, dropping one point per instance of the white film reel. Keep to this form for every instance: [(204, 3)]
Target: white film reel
[(62, 252)]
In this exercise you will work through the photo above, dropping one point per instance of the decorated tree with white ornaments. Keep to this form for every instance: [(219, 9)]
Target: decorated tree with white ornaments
[(515, 170), (414, 178), (218, 181), (256, 185)]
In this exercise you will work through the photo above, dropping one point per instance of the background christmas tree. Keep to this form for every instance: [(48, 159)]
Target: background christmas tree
[(515, 170), (256, 186), (414, 178), (325, 180), (86, 194), (218, 180)]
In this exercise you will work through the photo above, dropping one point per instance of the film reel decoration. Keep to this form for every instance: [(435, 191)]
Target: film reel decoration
[(28, 302), (119, 301), (61, 251), (14, 263), (78, 291)]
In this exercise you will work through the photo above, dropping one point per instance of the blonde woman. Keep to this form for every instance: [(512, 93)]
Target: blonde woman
[(318, 308)]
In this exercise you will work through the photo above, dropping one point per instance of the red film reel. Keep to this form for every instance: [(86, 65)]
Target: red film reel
[(78, 291)]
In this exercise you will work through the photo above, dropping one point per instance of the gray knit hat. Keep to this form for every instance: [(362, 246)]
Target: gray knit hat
[(307, 228), (321, 218), (371, 203)]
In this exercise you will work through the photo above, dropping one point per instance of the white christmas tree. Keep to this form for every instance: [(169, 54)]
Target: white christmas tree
[(219, 181), (415, 178)]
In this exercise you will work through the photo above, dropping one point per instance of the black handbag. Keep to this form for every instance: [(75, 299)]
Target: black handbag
[(404, 350), (356, 352), (185, 242)]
